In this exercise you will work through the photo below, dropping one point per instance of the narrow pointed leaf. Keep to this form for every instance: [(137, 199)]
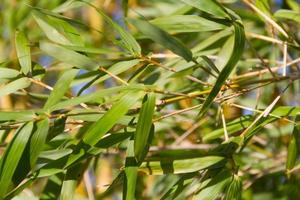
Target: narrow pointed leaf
[(161, 37), (179, 166), (293, 148), (60, 88), (6, 73), (234, 190), (215, 186), (68, 56), (70, 182), (23, 52), (14, 86), (38, 140), (105, 123), (142, 133), (209, 6), (131, 171), (288, 14), (186, 23), (12, 156), (230, 63), (127, 40), (95, 96), (17, 116), (51, 32)]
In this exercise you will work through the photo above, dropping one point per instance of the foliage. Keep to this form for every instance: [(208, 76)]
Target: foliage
[(174, 99)]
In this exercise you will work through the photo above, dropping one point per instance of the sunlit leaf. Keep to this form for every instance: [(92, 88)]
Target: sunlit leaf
[(23, 52), (161, 37)]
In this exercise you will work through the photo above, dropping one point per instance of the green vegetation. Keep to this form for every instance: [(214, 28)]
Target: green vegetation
[(173, 99)]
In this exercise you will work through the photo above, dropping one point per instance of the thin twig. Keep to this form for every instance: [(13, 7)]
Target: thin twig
[(224, 124), (176, 113), (266, 17), (265, 38), (284, 59), (113, 76)]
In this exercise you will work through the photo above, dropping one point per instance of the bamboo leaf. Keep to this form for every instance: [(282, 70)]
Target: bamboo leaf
[(60, 88), (161, 37), (143, 129), (17, 116), (105, 123), (209, 6), (215, 186), (23, 52), (51, 32), (70, 182), (119, 68), (293, 147), (292, 153), (12, 155), (94, 96), (6, 73), (68, 56), (55, 154), (14, 86), (186, 23), (127, 40), (234, 190), (288, 14), (38, 140), (236, 52), (67, 5), (179, 166), (131, 170)]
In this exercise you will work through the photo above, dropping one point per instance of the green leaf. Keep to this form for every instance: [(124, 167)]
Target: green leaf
[(288, 14), (186, 23), (14, 86), (70, 32), (232, 127), (131, 171), (210, 64), (209, 6), (293, 148), (119, 68), (24, 115), (236, 52), (68, 56), (143, 128), (292, 153), (38, 140), (67, 5), (61, 87), (48, 28), (90, 97), (179, 166), (163, 38), (12, 156), (213, 39), (105, 123), (215, 186), (127, 40), (293, 4), (97, 130), (93, 50), (55, 154), (6, 73), (112, 139), (23, 52), (234, 190), (70, 181)]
